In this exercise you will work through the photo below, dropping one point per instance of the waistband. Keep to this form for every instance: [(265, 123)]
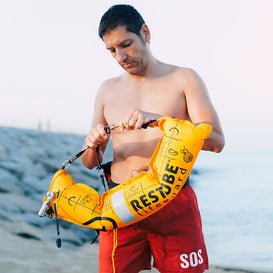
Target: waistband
[(113, 184)]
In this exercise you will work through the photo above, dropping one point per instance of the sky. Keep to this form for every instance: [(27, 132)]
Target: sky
[(52, 61)]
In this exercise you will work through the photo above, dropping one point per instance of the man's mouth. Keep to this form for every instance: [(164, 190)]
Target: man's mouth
[(128, 65)]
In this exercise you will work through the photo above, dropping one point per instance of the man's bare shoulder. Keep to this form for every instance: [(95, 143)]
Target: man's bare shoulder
[(185, 73), (109, 83), (188, 77), (105, 91)]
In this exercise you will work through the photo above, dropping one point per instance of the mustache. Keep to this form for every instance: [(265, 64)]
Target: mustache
[(127, 60)]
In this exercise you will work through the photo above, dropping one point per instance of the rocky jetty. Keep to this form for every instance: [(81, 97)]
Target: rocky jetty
[(28, 161)]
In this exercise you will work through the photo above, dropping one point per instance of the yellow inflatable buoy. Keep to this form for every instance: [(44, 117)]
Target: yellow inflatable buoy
[(140, 196)]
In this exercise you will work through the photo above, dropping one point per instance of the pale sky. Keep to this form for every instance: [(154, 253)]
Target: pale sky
[(52, 61)]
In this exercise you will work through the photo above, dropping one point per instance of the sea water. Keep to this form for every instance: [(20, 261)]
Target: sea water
[(235, 195)]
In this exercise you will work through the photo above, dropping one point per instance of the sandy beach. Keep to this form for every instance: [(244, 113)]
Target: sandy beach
[(32, 255)]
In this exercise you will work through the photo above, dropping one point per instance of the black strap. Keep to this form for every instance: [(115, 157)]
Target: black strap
[(96, 237), (145, 125), (58, 240), (67, 163), (98, 157), (100, 168)]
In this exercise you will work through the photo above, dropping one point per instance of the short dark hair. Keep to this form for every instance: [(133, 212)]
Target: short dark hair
[(121, 15)]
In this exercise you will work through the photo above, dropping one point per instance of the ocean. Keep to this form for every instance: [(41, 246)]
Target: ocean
[(234, 190)]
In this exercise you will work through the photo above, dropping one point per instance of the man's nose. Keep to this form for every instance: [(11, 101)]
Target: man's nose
[(121, 55)]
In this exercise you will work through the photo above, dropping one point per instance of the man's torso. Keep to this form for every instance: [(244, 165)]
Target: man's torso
[(161, 95)]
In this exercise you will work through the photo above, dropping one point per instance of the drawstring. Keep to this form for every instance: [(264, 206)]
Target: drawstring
[(115, 244)]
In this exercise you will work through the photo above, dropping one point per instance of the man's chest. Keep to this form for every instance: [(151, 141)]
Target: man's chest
[(165, 100)]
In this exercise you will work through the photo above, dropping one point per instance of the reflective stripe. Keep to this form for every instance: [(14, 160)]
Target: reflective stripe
[(121, 209)]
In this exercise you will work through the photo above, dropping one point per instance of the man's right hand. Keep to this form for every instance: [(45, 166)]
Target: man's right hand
[(96, 137), (135, 119)]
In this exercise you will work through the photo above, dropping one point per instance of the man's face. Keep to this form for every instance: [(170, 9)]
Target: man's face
[(129, 49)]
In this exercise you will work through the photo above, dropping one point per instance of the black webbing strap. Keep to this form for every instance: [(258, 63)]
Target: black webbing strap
[(100, 168), (58, 240), (145, 125), (67, 163)]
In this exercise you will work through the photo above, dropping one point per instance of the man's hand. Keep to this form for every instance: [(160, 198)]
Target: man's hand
[(134, 119), (96, 136)]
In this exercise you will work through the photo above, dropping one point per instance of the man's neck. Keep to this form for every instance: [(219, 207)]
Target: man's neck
[(150, 71)]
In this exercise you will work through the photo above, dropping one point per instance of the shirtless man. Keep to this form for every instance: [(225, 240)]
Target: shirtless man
[(148, 90)]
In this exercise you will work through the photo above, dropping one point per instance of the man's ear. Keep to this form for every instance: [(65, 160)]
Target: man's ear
[(145, 33)]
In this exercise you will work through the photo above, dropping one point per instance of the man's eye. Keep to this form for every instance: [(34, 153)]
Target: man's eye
[(127, 44)]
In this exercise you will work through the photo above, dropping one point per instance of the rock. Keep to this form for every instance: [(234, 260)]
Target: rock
[(27, 236), (9, 182), (28, 161), (4, 153)]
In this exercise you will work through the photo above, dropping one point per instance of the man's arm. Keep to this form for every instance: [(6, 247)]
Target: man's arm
[(201, 110), (96, 135)]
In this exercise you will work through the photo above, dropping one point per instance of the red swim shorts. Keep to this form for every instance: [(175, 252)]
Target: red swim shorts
[(173, 236)]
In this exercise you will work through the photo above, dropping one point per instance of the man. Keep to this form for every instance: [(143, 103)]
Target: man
[(148, 90)]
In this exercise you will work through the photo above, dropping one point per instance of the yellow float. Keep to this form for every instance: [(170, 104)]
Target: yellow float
[(140, 196)]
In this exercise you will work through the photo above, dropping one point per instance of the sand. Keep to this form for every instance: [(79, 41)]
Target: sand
[(32, 255)]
